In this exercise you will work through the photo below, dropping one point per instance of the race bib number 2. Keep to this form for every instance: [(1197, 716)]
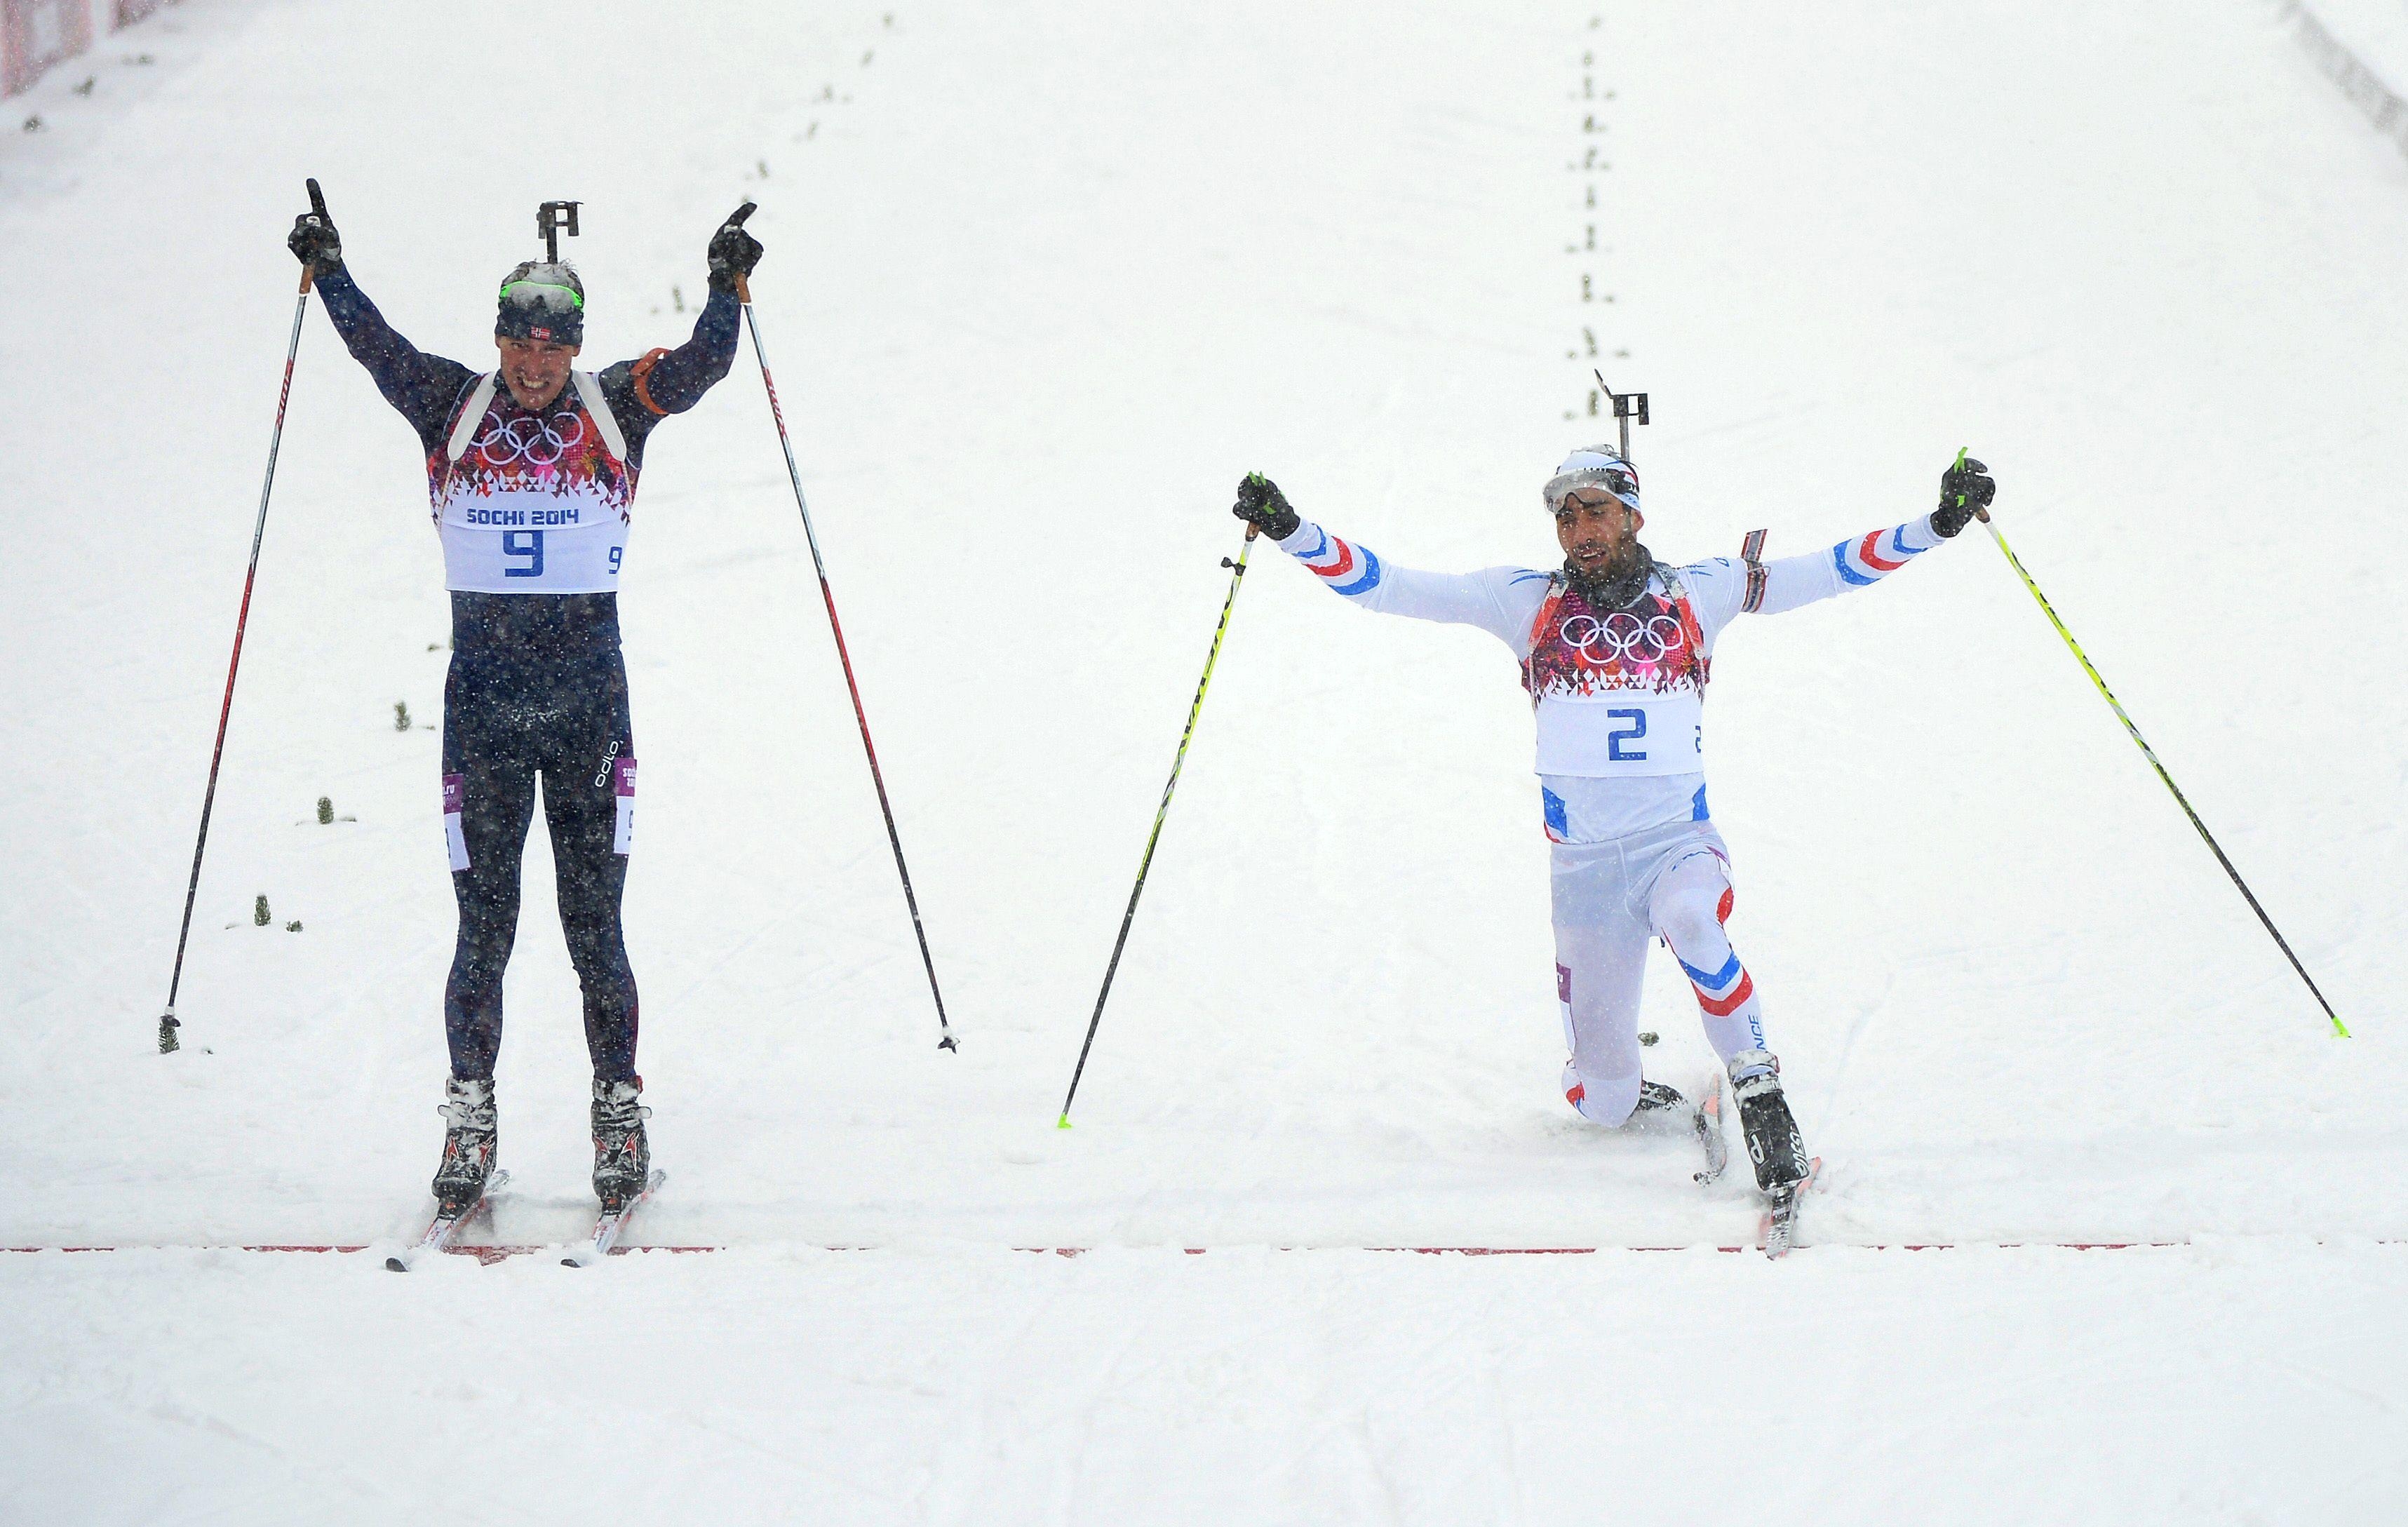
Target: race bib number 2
[(1617, 735)]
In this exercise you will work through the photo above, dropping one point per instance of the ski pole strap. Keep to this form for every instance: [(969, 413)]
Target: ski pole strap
[(2150, 753), (1751, 551)]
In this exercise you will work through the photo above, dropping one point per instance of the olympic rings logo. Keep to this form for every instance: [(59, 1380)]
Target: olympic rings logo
[(538, 442), (1622, 636)]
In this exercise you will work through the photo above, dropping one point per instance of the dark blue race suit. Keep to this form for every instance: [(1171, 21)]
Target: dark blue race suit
[(537, 688)]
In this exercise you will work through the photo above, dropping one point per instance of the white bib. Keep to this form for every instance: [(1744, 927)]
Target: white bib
[(1610, 736), (534, 502)]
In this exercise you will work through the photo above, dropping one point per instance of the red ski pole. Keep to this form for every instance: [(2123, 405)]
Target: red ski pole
[(168, 1023), (894, 839)]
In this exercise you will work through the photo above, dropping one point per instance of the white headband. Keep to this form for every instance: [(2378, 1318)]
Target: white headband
[(1594, 466)]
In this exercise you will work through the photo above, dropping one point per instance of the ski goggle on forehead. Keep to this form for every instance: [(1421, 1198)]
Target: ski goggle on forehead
[(1621, 484), (549, 295)]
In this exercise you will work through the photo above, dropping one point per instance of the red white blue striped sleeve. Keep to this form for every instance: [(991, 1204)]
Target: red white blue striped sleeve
[(1500, 601), (1855, 564)]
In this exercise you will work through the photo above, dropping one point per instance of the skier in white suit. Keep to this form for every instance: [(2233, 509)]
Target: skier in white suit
[(1615, 650)]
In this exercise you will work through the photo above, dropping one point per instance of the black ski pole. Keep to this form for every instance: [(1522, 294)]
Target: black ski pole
[(168, 1023), (794, 474), (1236, 574)]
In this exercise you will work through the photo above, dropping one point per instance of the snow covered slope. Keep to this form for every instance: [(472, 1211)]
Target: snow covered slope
[(1043, 288), (1042, 282)]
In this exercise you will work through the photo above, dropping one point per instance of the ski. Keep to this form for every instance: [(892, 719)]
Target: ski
[(1709, 1123), (607, 1227), (443, 1227), (1778, 1230)]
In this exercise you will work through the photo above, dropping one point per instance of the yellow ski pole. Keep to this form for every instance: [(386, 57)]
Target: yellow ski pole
[(1236, 576), (2146, 751)]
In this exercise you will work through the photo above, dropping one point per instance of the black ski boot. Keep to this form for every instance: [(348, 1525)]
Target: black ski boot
[(623, 1158), (1656, 1098), (468, 1139), (1773, 1142), (1659, 1104)]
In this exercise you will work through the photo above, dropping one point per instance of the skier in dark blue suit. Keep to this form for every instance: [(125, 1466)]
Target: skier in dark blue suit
[(531, 474)]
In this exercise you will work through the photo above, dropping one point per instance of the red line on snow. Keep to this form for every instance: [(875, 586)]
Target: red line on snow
[(497, 1253)]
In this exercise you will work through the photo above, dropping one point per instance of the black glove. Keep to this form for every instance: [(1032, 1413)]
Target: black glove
[(1261, 503), (733, 251), (314, 241), (1964, 488)]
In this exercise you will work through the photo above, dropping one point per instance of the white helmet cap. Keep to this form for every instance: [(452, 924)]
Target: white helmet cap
[(1594, 466)]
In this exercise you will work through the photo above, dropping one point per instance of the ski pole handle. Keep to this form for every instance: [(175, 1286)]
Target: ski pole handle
[(1980, 511), (736, 220), (1243, 551), (318, 210)]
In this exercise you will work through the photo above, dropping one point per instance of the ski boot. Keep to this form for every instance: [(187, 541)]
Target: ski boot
[(1773, 1142), (1703, 1118), (468, 1140), (623, 1158), (1654, 1097)]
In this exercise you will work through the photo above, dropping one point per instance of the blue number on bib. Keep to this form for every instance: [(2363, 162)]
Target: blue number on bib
[(527, 544), (615, 553), (1637, 729)]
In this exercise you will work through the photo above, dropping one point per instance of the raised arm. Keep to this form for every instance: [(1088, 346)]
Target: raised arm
[(424, 388), (644, 392), (1499, 600)]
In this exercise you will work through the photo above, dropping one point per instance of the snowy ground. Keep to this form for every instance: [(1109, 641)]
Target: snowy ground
[(1042, 284), (1143, 1386)]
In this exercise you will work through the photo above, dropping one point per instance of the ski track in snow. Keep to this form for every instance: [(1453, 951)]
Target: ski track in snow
[(1044, 284)]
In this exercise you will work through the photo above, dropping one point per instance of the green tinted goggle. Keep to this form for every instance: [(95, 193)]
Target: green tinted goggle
[(549, 294)]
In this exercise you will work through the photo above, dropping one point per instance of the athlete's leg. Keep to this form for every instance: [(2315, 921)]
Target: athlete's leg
[(588, 784), (488, 800), (1600, 960), (1687, 906)]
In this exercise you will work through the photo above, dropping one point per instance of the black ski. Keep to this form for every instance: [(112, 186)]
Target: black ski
[(443, 1227)]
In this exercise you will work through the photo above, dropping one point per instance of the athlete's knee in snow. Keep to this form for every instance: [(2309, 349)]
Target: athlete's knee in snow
[(1607, 1101), (1690, 926)]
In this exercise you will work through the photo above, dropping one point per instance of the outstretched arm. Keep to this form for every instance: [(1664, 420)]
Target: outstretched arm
[(1858, 563), (1855, 564), (1499, 600)]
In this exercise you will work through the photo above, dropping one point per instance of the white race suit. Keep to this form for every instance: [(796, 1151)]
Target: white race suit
[(1619, 696)]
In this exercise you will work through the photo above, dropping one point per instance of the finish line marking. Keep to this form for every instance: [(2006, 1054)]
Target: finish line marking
[(490, 1254)]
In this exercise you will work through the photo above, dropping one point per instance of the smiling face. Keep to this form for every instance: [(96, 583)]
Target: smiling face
[(536, 369), (1598, 532)]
